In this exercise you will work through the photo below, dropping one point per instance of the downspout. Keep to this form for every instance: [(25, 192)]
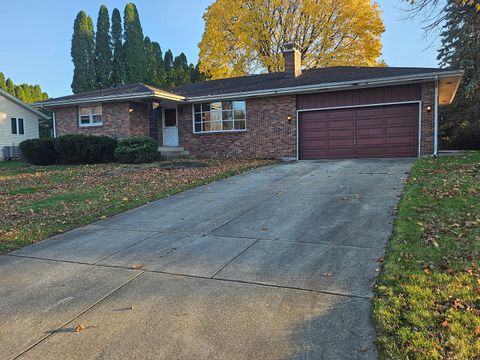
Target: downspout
[(54, 125), (435, 131)]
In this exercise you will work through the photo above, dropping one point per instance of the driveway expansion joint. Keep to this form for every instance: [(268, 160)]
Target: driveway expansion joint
[(77, 316)]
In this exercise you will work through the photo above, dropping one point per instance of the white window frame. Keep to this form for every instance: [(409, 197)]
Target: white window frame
[(218, 131), (17, 126), (91, 115)]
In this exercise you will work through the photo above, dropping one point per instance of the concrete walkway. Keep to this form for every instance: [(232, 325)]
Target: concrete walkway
[(272, 264)]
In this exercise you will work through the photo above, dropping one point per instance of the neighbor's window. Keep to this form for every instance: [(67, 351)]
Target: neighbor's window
[(219, 116), (17, 126), (21, 130), (90, 115), (13, 123)]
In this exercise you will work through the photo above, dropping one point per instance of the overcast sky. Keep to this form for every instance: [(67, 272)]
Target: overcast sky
[(36, 35)]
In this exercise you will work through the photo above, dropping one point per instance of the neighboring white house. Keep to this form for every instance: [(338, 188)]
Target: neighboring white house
[(18, 121)]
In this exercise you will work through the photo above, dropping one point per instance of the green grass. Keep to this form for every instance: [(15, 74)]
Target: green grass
[(38, 202), (427, 304)]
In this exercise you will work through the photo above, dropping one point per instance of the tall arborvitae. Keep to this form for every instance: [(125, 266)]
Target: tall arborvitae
[(181, 71), (10, 86), (25, 92), (103, 51), (168, 64), (195, 73), (83, 54), (3, 84), (157, 54), (134, 51), (461, 49), (118, 66), (155, 70)]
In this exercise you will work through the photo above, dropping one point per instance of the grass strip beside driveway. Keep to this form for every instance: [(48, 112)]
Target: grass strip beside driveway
[(427, 304), (38, 202)]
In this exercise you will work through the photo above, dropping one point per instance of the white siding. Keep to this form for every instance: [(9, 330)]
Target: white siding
[(8, 110)]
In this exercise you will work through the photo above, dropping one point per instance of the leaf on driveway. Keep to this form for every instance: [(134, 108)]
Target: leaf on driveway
[(79, 328)]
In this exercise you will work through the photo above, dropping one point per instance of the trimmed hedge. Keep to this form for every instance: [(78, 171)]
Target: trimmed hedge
[(85, 149), (39, 151), (136, 149)]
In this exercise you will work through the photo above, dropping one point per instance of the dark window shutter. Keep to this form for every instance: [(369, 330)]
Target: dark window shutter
[(21, 130), (13, 121)]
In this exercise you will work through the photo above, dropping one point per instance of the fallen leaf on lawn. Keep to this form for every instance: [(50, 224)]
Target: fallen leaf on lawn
[(445, 323), (476, 331), (125, 199), (79, 328)]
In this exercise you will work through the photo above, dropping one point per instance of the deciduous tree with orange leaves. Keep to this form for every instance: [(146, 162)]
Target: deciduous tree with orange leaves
[(246, 36)]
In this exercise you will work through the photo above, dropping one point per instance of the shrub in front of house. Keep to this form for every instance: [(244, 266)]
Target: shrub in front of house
[(136, 149), (85, 149), (39, 151)]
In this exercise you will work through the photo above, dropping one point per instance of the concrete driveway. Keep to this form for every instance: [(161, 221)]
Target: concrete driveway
[(272, 264)]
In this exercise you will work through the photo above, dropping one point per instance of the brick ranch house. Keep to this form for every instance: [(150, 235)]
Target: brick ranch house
[(338, 112)]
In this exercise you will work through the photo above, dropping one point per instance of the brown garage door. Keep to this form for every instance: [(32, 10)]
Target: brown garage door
[(376, 131)]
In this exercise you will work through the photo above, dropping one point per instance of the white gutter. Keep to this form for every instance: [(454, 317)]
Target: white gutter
[(435, 131), (329, 86)]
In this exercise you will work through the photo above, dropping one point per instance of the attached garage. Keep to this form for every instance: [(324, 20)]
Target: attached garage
[(359, 131)]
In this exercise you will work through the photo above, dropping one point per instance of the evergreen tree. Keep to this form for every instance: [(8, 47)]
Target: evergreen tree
[(10, 86), (3, 84), (103, 51), (195, 74), (168, 60), (118, 66), (157, 54), (181, 70), (154, 68), (37, 93), (134, 51), (461, 49), (168, 64), (19, 93), (83, 54)]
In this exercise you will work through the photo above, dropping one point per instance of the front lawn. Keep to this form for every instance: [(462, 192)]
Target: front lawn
[(37, 202), (427, 304)]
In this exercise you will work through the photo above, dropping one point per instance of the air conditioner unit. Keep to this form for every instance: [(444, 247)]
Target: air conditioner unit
[(11, 152)]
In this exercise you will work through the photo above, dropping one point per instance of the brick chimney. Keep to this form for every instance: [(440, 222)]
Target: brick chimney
[(293, 59)]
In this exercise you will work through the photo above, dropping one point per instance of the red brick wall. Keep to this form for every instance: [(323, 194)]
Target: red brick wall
[(115, 115), (268, 135), (139, 119), (428, 119)]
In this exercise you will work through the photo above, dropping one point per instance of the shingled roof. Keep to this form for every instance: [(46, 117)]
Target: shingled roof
[(338, 74), (119, 90), (322, 78)]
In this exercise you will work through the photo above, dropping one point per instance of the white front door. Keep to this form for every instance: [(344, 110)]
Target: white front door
[(170, 127)]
